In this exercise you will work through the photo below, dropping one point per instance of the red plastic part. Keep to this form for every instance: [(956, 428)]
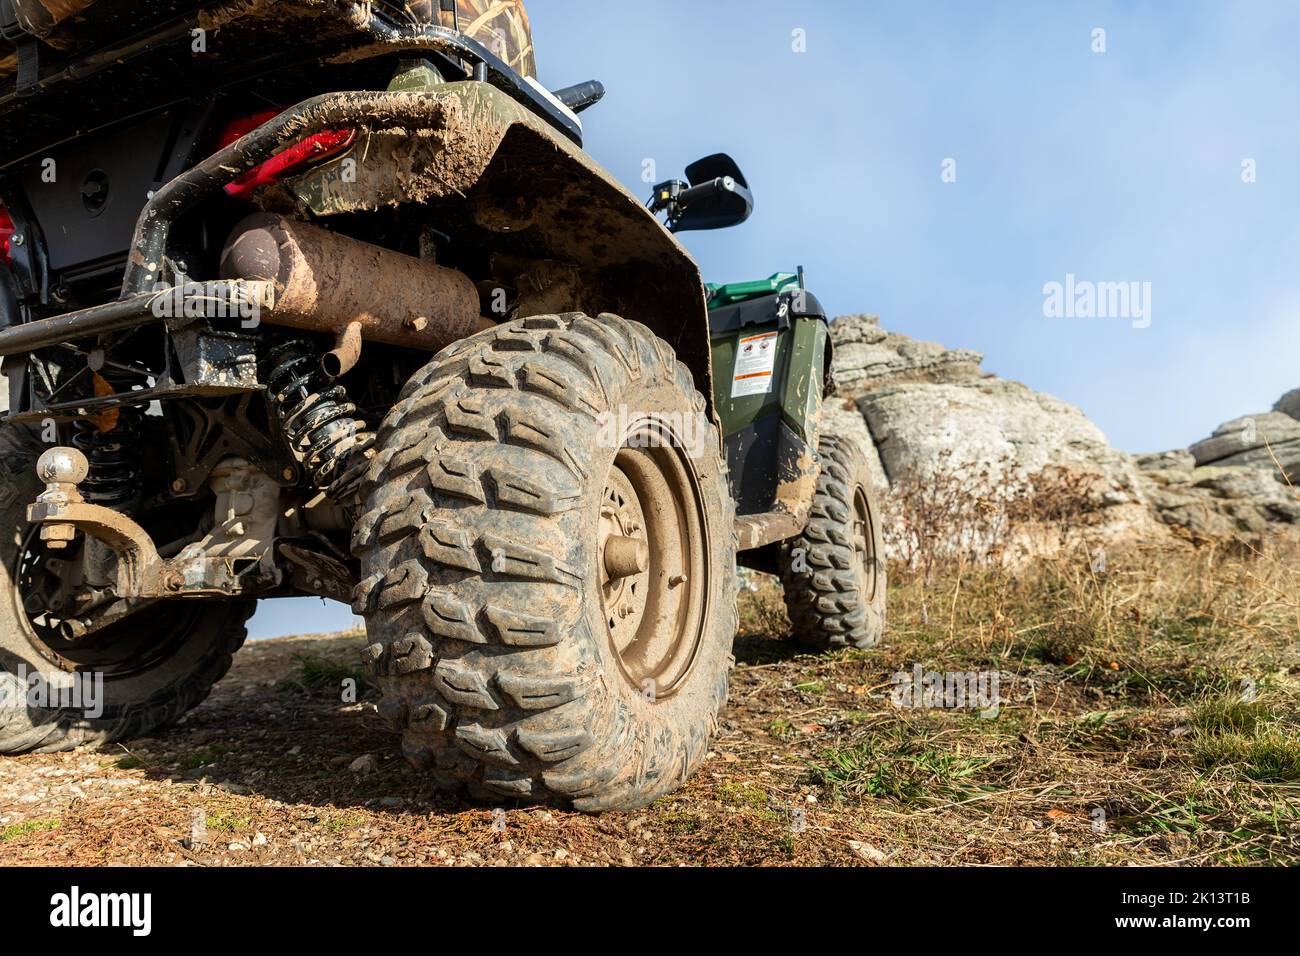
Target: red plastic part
[(6, 233), (311, 150)]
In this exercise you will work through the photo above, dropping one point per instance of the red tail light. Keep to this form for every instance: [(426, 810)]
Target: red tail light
[(7, 231), (311, 150)]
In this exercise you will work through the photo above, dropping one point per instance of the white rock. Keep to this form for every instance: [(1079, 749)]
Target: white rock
[(867, 852), (929, 410)]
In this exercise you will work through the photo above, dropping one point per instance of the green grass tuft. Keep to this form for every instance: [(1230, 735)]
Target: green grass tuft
[(26, 827), (323, 673)]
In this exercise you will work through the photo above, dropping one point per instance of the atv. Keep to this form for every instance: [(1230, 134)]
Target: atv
[(317, 297)]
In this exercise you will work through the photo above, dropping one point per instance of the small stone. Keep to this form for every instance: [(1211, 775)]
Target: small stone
[(867, 852), (364, 764)]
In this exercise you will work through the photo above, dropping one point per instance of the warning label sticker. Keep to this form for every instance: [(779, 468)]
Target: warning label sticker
[(755, 362)]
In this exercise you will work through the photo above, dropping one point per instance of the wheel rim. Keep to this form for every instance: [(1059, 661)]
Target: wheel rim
[(652, 560), (864, 544)]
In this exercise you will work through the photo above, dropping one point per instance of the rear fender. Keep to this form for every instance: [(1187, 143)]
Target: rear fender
[(559, 230)]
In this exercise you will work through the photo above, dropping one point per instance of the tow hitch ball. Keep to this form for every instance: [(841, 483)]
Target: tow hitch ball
[(233, 558)]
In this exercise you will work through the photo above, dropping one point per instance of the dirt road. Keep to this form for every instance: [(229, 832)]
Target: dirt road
[(1084, 763)]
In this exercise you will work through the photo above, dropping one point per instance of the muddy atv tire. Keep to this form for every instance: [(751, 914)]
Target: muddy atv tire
[(548, 566), (834, 572), (156, 665)]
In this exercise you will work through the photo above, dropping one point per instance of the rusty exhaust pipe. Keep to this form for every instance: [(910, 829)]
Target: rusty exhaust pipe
[(353, 290)]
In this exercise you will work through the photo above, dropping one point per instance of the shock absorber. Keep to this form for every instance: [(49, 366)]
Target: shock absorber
[(321, 423), (110, 443)]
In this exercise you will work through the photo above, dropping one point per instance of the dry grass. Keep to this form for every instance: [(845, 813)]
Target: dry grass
[(971, 513), (1149, 712), (1148, 715)]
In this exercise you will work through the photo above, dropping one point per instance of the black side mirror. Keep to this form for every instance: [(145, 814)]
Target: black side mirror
[(716, 198)]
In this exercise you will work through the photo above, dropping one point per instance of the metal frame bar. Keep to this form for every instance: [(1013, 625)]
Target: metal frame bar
[(128, 312)]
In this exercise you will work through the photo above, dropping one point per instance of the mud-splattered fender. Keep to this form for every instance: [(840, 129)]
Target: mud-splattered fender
[(559, 229)]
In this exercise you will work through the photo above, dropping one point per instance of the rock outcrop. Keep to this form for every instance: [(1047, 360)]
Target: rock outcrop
[(1289, 404), (1239, 482), (930, 411), (1270, 442), (1215, 502), (868, 357)]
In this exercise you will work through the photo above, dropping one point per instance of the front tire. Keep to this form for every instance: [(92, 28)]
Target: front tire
[(548, 564), (833, 572)]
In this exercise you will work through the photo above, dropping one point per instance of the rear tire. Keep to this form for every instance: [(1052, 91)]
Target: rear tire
[(520, 653), (834, 571), (156, 664)]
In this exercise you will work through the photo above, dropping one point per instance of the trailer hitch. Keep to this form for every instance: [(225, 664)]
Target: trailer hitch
[(235, 557), (61, 511)]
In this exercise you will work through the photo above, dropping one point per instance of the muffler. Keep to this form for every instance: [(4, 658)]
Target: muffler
[(353, 290)]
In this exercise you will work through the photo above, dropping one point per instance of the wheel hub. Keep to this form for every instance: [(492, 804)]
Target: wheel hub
[(652, 560), (623, 583)]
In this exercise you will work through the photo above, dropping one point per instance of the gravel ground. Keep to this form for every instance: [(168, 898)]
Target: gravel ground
[(1115, 747)]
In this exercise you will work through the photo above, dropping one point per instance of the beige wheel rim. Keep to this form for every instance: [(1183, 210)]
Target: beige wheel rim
[(652, 560), (864, 544)]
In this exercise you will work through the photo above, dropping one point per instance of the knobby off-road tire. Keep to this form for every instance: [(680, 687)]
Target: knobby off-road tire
[(156, 665), (511, 658), (834, 572)]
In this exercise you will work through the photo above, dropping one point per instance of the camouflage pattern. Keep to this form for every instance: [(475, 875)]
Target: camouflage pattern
[(500, 25), (42, 16)]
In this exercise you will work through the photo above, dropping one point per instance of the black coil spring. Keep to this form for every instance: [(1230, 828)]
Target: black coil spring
[(113, 480), (321, 423)]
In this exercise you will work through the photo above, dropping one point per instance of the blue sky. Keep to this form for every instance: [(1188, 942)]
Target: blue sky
[(1117, 166)]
